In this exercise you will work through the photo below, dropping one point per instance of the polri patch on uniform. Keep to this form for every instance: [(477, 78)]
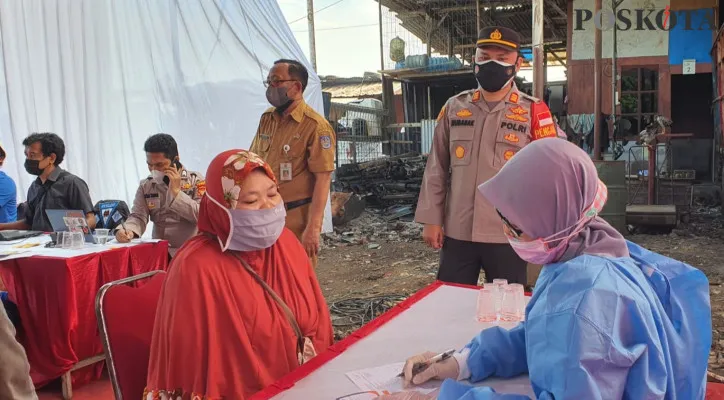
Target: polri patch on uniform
[(513, 98), (512, 138), (508, 154), (476, 96), (514, 127), (462, 122), (464, 113), (326, 142)]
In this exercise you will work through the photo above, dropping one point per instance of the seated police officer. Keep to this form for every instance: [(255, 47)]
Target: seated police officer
[(54, 189), (170, 197)]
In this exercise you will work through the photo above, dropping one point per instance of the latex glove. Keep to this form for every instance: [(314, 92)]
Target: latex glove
[(410, 396), (448, 369)]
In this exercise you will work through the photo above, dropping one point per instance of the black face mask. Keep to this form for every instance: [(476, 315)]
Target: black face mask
[(33, 167), (492, 75), (278, 97)]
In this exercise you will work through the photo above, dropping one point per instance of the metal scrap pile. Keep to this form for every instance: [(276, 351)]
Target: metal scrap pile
[(391, 183)]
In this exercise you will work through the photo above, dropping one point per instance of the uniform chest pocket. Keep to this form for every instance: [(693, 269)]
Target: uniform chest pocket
[(508, 143), (293, 148), (461, 145), (264, 143)]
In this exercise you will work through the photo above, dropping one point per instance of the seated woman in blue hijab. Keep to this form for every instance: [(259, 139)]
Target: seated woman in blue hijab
[(607, 320)]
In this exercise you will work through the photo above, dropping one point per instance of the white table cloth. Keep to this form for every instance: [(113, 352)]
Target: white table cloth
[(14, 249), (444, 318)]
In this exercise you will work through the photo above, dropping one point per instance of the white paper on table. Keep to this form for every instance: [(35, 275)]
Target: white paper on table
[(13, 254), (385, 378), (145, 240)]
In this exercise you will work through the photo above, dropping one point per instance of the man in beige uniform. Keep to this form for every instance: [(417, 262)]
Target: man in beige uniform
[(15, 380), (299, 145), (170, 197), (477, 132)]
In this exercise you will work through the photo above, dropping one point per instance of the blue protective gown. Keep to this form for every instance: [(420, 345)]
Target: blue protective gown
[(600, 328)]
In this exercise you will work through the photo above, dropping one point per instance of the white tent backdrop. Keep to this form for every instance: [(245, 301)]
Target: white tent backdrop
[(106, 74)]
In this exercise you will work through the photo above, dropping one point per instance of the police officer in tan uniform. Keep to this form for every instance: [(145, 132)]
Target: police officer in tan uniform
[(477, 132), (170, 197), (299, 145)]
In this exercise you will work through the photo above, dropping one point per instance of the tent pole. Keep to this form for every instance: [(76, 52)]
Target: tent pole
[(382, 43), (597, 85), (538, 50), (312, 44)]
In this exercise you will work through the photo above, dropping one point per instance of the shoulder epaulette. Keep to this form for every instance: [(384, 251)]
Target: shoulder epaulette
[(529, 97)]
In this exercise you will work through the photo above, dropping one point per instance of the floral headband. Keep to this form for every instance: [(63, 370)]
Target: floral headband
[(235, 170)]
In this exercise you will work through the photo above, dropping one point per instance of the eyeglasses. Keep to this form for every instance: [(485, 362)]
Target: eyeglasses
[(276, 82), (517, 233)]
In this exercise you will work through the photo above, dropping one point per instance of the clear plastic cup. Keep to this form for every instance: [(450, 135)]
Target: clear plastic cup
[(101, 236), (513, 303), (486, 305), (78, 240), (66, 240), (499, 285)]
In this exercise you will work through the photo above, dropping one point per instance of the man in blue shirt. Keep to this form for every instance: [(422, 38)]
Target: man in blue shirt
[(8, 194)]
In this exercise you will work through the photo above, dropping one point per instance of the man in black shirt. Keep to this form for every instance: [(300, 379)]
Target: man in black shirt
[(55, 188)]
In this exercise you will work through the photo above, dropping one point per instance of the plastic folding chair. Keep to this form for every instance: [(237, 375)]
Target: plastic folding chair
[(126, 316)]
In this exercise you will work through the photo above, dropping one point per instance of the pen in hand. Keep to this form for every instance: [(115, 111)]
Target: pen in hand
[(419, 367)]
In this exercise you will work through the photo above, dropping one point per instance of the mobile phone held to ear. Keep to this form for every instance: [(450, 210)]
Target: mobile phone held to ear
[(176, 164)]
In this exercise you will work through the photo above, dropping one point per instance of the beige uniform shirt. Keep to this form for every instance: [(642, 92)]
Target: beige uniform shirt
[(472, 142), (15, 380), (296, 147), (174, 219)]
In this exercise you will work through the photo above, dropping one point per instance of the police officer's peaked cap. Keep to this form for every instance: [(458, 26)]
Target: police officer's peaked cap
[(499, 36)]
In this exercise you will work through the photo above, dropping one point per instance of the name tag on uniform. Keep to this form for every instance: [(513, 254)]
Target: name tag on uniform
[(285, 170)]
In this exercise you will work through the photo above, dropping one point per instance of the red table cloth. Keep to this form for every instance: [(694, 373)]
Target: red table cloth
[(56, 302)]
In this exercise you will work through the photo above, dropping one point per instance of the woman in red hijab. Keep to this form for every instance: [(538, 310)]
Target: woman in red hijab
[(219, 333)]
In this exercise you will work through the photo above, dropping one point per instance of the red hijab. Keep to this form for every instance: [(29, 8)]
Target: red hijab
[(224, 180), (218, 334)]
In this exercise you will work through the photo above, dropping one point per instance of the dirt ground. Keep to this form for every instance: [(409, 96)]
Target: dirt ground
[(372, 257)]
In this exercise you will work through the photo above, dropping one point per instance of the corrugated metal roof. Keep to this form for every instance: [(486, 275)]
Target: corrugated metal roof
[(358, 90), (460, 18)]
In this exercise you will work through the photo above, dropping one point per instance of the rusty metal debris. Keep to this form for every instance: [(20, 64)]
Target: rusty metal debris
[(385, 183)]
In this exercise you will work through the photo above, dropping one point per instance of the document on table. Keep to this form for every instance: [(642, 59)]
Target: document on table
[(378, 381), (384, 379)]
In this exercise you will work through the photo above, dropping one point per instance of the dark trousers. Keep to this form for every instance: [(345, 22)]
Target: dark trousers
[(461, 261), (12, 310)]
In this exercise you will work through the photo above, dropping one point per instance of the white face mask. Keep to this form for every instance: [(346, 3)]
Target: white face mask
[(157, 176)]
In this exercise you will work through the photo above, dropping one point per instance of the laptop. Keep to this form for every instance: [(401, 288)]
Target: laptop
[(62, 220), (6, 236)]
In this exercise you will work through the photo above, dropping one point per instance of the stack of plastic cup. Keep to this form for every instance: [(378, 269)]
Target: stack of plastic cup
[(66, 240), (513, 304), (486, 305), (499, 285), (77, 240)]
